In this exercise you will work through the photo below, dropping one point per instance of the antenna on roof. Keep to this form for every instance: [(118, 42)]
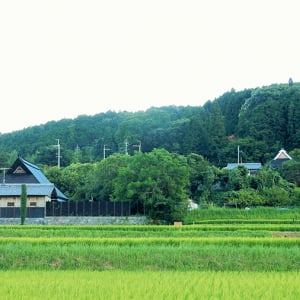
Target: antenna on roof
[(4, 172)]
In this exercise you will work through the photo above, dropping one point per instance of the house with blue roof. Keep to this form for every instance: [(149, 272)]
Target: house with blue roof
[(252, 167), (39, 190)]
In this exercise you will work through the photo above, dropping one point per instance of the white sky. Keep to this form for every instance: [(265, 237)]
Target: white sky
[(63, 58)]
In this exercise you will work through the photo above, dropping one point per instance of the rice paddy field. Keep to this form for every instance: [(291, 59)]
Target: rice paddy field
[(237, 259)]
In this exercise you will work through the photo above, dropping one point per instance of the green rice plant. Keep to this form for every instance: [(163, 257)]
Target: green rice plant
[(147, 231), (153, 241), (230, 214), (179, 254), (250, 221), (209, 231), (112, 284), (142, 234), (223, 247)]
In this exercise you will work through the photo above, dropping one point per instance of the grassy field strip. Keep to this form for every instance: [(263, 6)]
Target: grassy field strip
[(149, 285), (249, 241), (153, 228), (178, 254), (245, 221), (241, 230), (155, 248), (254, 215)]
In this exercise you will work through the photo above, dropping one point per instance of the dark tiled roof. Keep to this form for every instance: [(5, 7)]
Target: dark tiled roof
[(277, 163), (20, 178)]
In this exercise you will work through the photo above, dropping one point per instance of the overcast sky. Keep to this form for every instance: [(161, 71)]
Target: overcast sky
[(63, 58)]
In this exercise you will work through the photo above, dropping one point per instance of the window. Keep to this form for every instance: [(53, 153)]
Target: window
[(10, 204), (32, 203), (19, 170)]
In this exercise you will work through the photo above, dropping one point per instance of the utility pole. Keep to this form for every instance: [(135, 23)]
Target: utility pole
[(139, 146), (4, 172), (238, 155), (77, 151), (126, 147), (58, 153), (104, 151)]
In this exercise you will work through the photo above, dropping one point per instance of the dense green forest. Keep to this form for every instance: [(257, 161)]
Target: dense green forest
[(201, 140), (260, 120)]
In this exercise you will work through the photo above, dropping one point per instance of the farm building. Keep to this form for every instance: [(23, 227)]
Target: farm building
[(252, 167), (281, 157), (39, 190)]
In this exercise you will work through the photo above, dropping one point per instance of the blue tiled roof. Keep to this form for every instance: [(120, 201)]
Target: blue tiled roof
[(34, 177), (60, 195), (31, 189), (40, 178), (35, 171), (249, 166)]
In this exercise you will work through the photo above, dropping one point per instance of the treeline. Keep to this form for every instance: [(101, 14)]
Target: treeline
[(159, 158), (260, 120), (159, 183)]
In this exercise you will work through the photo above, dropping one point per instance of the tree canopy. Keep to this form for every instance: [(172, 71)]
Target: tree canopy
[(160, 157), (263, 119)]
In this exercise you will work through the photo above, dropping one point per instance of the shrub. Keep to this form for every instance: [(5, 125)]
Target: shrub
[(23, 203)]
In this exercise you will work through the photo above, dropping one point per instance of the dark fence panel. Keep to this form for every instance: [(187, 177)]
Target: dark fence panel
[(71, 208), (14, 212), (35, 212), (87, 208), (10, 212)]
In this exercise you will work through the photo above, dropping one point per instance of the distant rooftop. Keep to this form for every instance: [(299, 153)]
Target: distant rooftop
[(249, 166), (282, 154), (281, 157)]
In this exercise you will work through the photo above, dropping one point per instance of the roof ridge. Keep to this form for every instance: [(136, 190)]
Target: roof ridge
[(26, 162), (282, 151)]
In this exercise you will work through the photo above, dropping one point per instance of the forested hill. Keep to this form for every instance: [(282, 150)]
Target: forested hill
[(260, 121)]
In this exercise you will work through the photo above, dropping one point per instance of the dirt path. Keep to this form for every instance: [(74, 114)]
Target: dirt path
[(286, 234)]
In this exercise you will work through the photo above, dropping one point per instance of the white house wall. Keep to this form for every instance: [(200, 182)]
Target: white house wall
[(39, 201)]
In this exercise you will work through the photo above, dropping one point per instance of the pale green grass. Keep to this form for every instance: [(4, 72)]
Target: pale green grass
[(145, 285)]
